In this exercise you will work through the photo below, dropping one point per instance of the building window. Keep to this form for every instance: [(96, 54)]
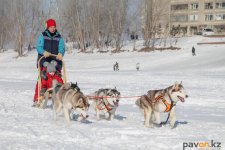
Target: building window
[(193, 30), (179, 18), (179, 7), (219, 16), (194, 6), (219, 28), (193, 17), (220, 5), (208, 17), (208, 5), (208, 27)]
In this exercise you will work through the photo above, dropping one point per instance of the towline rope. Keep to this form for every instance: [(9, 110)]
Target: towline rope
[(93, 97), (108, 108)]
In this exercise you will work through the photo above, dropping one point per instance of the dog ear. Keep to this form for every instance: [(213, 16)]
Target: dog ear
[(45, 64), (175, 85), (80, 101), (181, 83), (109, 91), (115, 88), (163, 92), (74, 86)]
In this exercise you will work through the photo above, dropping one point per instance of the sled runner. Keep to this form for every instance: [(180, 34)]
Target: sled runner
[(43, 100)]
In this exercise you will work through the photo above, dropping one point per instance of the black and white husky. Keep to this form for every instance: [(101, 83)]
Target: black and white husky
[(161, 101), (106, 105)]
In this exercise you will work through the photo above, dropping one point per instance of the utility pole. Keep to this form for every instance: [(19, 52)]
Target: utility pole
[(53, 13)]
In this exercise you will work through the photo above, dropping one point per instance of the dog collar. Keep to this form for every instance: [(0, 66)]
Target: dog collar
[(75, 93), (170, 97)]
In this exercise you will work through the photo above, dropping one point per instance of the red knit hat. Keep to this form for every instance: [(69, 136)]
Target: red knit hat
[(50, 22)]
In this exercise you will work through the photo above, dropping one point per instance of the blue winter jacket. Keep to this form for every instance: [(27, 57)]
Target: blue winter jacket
[(53, 45)]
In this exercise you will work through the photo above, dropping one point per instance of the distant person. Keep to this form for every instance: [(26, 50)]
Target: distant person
[(114, 67), (131, 36), (117, 66), (193, 51), (137, 66)]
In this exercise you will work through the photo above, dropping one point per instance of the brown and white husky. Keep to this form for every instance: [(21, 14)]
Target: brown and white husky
[(161, 101), (69, 98)]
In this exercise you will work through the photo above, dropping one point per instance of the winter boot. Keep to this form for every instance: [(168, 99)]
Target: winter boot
[(34, 104)]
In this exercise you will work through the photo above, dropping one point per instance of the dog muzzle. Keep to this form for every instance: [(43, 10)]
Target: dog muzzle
[(181, 99), (116, 104), (84, 117)]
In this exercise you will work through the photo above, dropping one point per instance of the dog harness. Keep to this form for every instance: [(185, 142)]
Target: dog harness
[(108, 108), (160, 97)]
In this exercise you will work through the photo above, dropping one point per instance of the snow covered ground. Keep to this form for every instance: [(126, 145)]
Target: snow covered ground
[(200, 119)]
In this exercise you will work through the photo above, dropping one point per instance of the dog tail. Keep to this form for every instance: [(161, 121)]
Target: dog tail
[(138, 102), (54, 83), (55, 90)]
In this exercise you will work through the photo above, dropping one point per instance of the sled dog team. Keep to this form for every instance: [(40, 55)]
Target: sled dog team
[(69, 98)]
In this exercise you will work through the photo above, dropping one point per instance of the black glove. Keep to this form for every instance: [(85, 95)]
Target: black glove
[(43, 90)]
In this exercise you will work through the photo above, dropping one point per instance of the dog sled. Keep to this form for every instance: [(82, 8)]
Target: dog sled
[(43, 100)]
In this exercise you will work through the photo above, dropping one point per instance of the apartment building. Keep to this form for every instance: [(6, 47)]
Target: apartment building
[(198, 14)]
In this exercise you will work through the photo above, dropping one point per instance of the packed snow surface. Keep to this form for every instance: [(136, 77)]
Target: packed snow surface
[(200, 119)]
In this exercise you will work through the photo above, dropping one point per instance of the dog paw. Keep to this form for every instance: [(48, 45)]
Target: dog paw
[(72, 116), (149, 126), (54, 117), (171, 125), (79, 118), (107, 115)]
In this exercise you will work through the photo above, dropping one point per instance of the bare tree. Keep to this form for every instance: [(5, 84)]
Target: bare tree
[(159, 33), (96, 22), (22, 18), (6, 25), (153, 11), (166, 32)]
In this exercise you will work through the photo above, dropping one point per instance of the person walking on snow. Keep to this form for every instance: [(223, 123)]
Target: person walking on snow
[(49, 42), (137, 66), (117, 66), (193, 51)]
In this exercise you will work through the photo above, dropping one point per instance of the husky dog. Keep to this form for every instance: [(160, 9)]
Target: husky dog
[(69, 97), (106, 105), (159, 101)]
